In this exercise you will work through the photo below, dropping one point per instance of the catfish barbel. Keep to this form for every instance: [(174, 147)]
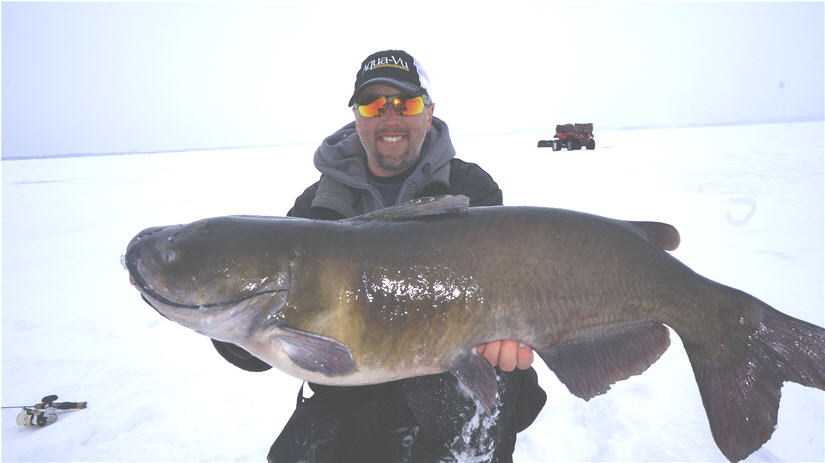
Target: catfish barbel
[(413, 289)]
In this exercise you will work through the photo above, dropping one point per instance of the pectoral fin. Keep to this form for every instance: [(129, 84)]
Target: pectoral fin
[(477, 375), (314, 352)]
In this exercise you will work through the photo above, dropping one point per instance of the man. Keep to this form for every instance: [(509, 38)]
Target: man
[(396, 151)]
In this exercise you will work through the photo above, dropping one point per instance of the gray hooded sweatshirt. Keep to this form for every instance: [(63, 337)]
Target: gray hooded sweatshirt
[(344, 186)]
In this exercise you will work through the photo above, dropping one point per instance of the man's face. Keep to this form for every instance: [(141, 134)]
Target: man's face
[(392, 141)]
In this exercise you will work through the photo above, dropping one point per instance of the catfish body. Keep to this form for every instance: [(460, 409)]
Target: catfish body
[(411, 290)]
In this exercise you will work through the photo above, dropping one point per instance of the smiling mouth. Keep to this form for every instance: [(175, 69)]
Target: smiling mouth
[(394, 139)]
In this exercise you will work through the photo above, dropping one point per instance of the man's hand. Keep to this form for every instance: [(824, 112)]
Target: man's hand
[(507, 354)]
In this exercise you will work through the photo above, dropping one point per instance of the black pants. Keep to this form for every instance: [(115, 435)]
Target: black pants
[(417, 420)]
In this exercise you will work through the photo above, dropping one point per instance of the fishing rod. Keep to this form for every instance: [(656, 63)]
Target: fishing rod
[(45, 412)]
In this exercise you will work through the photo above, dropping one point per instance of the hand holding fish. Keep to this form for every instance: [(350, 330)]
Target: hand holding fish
[(507, 354)]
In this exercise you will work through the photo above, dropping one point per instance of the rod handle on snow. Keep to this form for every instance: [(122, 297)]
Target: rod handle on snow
[(69, 405)]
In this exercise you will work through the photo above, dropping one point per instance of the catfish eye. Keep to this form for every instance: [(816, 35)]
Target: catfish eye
[(169, 255)]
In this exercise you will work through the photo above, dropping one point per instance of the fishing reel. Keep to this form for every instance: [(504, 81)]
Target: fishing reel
[(44, 413)]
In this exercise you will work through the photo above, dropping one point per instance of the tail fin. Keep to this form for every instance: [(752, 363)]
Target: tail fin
[(740, 377)]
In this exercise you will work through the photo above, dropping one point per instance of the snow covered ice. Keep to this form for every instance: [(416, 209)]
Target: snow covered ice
[(747, 200)]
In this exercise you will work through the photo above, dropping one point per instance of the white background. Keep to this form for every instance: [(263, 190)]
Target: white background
[(97, 77)]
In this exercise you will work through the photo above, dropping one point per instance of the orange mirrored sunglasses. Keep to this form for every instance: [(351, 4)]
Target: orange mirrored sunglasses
[(405, 105)]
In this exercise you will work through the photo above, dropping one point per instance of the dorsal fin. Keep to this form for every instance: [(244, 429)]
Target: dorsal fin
[(421, 207), (664, 235)]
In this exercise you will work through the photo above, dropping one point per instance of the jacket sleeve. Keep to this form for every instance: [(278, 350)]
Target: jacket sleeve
[(240, 357), (303, 206), (303, 203), (474, 182)]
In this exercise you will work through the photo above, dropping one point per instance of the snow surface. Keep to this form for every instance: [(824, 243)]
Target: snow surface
[(748, 201)]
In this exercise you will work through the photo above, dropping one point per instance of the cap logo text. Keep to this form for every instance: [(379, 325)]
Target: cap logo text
[(387, 61)]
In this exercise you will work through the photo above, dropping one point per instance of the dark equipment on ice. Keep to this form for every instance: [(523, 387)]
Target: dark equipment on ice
[(45, 412), (572, 137)]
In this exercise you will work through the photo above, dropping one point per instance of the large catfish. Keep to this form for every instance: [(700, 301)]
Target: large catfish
[(411, 290)]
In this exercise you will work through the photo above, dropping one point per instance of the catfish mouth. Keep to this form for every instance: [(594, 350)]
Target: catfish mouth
[(153, 298)]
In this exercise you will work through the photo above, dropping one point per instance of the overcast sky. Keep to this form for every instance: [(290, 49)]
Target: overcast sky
[(80, 78)]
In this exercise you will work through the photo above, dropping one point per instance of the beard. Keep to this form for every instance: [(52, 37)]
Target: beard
[(396, 164)]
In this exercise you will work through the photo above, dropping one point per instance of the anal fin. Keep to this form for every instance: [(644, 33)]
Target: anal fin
[(589, 362), (477, 375)]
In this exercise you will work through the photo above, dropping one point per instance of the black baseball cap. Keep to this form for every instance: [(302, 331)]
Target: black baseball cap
[(392, 67)]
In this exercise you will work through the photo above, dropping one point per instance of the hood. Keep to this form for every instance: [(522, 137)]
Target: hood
[(344, 186)]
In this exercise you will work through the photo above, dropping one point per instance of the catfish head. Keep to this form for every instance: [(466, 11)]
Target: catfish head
[(209, 274)]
